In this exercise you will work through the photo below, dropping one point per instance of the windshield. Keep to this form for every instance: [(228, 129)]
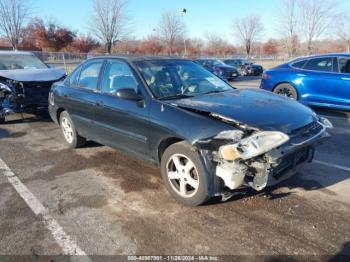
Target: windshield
[(11, 62), (179, 78), (218, 62)]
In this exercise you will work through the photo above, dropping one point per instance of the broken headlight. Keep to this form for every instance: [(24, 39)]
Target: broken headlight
[(253, 146), (4, 88)]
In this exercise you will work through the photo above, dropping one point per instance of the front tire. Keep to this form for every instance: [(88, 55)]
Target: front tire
[(2, 120), (184, 174), (286, 90), (70, 134)]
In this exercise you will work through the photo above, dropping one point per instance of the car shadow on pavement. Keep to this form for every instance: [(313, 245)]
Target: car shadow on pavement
[(27, 118), (3, 133), (92, 144), (270, 193), (343, 255), (299, 181)]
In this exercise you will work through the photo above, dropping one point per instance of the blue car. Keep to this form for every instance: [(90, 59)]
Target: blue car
[(322, 81)]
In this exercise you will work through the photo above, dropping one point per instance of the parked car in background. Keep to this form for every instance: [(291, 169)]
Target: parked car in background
[(25, 82), (207, 137), (245, 67), (316, 80), (219, 68)]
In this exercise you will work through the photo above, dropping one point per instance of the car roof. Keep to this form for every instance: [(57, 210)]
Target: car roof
[(139, 58), (6, 52), (319, 56)]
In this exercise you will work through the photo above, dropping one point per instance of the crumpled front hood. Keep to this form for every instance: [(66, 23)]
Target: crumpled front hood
[(256, 108), (37, 75)]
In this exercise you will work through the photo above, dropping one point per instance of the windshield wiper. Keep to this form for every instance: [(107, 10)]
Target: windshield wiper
[(178, 96), (214, 92)]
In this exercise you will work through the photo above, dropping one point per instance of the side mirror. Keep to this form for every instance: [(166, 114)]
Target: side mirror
[(128, 94)]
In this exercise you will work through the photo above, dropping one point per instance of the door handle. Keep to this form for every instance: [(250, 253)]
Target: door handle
[(346, 78), (302, 75)]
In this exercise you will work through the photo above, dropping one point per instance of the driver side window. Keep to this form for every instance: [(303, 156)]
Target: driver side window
[(118, 75)]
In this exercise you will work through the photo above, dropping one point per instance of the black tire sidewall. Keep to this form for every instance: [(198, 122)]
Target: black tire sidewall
[(187, 150)]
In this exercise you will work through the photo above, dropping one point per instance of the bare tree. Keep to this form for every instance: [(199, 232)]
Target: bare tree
[(171, 29), (248, 30), (287, 25), (317, 16), (218, 46), (13, 14), (342, 29), (110, 22)]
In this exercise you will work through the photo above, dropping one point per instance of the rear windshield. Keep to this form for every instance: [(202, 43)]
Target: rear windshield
[(12, 62)]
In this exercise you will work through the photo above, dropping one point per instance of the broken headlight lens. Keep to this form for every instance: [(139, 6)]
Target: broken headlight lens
[(253, 146), (5, 88)]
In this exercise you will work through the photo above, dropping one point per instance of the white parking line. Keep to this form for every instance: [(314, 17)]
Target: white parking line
[(69, 246), (344, 168)]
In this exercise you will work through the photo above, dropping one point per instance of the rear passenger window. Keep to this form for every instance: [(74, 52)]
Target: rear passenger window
[(320, 64), (89, 75), (300, 64), (344, 65)]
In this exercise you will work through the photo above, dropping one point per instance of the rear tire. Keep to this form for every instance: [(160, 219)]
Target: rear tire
[(286, 90), (2, 120), (184, 174), (70, 134)]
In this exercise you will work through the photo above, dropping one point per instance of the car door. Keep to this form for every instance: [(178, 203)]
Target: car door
[(342, 88), (80, 97), (318, 79), (122, 123)]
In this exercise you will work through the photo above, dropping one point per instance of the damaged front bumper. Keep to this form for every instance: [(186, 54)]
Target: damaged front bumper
[(17, 97), (272, 167)]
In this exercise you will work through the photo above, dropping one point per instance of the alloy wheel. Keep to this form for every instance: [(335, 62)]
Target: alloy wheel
[(67, 130), (182, 175)]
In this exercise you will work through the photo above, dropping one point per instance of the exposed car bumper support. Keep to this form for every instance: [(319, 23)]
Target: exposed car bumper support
[(265, 170), (270, 168)]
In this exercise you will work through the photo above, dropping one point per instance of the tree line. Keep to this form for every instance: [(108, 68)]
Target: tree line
[(301, 27)]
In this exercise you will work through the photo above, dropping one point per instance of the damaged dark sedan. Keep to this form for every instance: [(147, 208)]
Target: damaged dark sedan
[(209, 138), (25, 82)]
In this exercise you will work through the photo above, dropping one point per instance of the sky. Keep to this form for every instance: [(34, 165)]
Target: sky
[(203, 16)]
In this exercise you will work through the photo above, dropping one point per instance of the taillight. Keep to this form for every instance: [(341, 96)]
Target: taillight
[(266, 76)]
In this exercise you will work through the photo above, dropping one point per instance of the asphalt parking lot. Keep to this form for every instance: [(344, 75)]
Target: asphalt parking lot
[(103, 202)]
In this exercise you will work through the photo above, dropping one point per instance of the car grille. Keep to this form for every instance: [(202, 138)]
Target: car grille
[(313, 128), (292, 161)]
